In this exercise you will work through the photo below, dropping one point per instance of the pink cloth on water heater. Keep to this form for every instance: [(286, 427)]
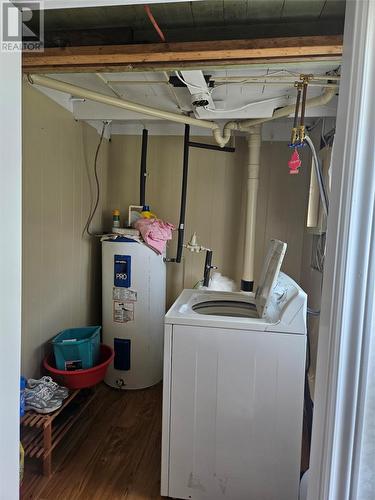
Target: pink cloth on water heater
[(155, 233)]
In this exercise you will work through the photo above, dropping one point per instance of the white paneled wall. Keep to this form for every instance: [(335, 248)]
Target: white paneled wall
[(61, 269), (216, 200), (282, 205)]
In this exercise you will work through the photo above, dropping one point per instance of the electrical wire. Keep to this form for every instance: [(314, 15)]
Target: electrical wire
[(154, 23), (245, 106), (329, 137), (310, 128), (322, 132), (209, 91), (92, 213), (261, 77), (246, 80)]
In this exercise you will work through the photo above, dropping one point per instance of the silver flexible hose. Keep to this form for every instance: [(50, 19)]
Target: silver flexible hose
[(319, 175)]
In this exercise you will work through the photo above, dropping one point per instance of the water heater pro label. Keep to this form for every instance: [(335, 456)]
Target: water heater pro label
[(122, 271)]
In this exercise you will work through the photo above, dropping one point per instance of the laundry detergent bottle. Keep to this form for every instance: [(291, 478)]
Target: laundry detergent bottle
[(147, 214)]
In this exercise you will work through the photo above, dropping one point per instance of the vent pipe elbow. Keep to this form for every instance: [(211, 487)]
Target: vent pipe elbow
[(222, 139)]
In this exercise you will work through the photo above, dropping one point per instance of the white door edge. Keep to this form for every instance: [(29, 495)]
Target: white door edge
[(348, 288)]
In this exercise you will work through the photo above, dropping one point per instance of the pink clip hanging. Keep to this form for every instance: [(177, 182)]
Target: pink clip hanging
[(294, 163)]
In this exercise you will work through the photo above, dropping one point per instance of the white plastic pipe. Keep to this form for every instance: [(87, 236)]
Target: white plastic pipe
[(320, 100), (76, 91), (223, 138), (254, 143)]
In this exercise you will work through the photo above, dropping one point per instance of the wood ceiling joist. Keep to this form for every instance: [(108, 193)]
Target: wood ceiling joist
[(139, 56)]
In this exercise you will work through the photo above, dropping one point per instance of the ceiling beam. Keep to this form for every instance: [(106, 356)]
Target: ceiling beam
[(119, 35), (76, 4), (182, 54)]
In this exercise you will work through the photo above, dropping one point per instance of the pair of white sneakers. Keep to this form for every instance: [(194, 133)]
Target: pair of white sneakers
[(44, 395)]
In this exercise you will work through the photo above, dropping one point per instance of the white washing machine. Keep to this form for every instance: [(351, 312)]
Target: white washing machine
[(234, 368)]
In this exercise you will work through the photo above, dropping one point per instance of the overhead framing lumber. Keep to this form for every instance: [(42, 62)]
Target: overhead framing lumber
[(182, 54)]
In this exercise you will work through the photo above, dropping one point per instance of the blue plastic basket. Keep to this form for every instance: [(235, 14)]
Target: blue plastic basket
[(77, 348)]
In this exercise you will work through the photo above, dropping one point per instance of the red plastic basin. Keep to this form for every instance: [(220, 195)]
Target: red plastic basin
[(81, 379)]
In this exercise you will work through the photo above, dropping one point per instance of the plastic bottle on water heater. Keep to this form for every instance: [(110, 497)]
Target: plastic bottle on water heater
[(147, 214), (116, 218)]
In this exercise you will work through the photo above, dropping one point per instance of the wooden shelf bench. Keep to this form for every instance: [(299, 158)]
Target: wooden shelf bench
[(40, 434)]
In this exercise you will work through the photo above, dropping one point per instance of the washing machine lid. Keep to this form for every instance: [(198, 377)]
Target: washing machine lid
[(268, 278)]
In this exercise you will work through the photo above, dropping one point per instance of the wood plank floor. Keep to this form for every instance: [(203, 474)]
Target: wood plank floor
[(114, 453)]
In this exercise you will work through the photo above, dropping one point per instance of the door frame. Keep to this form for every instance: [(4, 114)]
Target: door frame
[(348, 286), (10, 270)]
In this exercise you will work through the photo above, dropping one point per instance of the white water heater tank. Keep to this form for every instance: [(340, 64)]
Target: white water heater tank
[(133, 285)]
